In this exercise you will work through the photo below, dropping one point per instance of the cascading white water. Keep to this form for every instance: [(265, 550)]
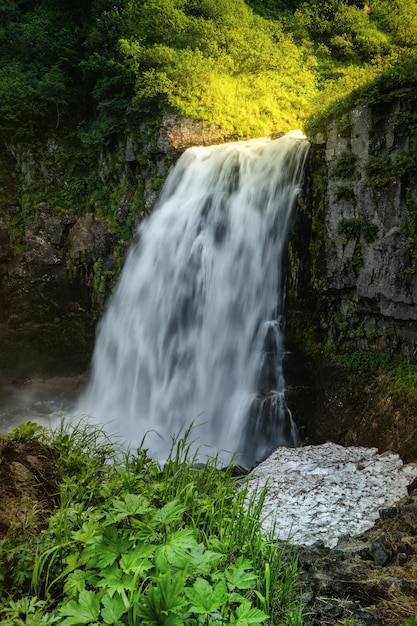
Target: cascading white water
[(182, 338)]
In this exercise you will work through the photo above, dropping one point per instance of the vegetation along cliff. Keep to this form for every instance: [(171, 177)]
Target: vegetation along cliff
[(99, 98)]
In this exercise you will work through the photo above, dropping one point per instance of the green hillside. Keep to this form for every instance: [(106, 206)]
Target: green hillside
[(258, 67)]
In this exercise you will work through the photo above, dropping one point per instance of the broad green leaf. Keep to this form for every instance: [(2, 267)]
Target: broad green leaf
[(163, 602), (73, 561), (85, 611), (239, 579), (237, 576), (171, 512), (236, 598), (114, 608), (242, 563), (88, 532), (75, 583), (131, 506), (137, 561), (110, 546), (175, 551), (204, 598), (203, 561), (116, 581), (246, 615)]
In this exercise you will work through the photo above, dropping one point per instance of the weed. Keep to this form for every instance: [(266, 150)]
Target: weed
[(135, 543)]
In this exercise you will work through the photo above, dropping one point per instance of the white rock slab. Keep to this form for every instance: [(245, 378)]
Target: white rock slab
[(326, 491)]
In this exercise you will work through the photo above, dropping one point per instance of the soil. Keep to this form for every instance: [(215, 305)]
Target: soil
[(28, 482)]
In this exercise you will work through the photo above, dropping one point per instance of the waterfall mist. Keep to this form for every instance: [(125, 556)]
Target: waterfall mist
[(187, 334)]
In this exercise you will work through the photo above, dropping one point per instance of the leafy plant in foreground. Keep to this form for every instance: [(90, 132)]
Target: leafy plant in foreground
[(134, 543)]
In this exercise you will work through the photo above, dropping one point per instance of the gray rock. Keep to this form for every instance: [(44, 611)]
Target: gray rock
[(89, 240), (381, 550)]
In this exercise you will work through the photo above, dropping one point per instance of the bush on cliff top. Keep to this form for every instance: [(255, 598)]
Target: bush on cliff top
[(254, 67)]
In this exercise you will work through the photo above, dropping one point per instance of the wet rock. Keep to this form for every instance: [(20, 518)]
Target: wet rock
[(353, 548), (89, 240), (381, 550), (40, 251)]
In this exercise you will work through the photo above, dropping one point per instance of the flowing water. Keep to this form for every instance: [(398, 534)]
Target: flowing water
[(185, 334)]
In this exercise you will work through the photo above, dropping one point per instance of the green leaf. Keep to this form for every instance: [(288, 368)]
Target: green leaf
[(110, 546), (236, 598), (73, 561), (116, 581), (85, 611), (164, 602), (75, 583), (114, 608), (132, 506), (88, 532), (203, 561), (171, 512), (237, 576), (239, 579), (204, 599), (175, 551), (137, 561), (247, 615)]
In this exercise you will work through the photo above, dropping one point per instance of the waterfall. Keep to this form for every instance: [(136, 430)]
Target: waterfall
[(194, 330)]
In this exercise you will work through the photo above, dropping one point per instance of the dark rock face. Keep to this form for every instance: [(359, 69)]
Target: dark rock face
[(368, 265), (57, 270), (353, 282), (352, 269), (45, 320)]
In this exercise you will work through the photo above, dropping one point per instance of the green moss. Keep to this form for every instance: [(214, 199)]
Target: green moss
[(344, 126), (409, 231), (105, 280), (16, 224), (318, 228), (382, 169), (365, 360), (356, 228), (343, 166), (343, 192)]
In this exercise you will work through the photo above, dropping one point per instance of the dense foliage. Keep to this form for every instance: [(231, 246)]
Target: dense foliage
[(252, 67), (77, 78), (134, 543)]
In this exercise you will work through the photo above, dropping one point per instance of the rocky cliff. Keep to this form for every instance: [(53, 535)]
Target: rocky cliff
[(352, 268), (352, 308), (370, 256), (57, 266)]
